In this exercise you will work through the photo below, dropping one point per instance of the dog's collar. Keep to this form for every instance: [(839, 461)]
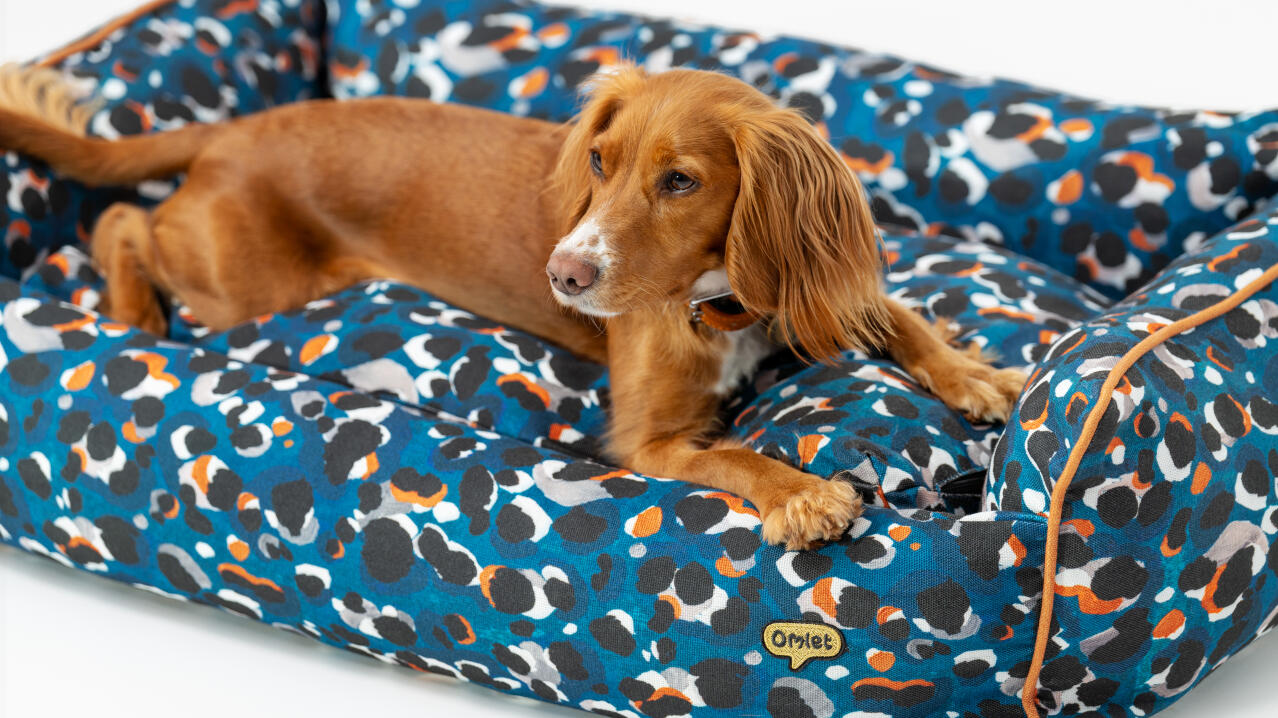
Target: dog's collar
[(722, 312)]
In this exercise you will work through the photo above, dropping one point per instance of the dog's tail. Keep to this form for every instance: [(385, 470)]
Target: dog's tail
[(40, 116)]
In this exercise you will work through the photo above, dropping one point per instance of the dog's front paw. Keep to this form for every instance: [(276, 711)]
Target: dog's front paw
[(818, 511), (985, 394)]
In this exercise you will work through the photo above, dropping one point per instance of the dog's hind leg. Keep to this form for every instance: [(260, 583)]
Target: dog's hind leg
[(122, 248)]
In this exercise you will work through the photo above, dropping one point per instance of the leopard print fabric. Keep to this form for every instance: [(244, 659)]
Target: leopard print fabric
[(403, 479)]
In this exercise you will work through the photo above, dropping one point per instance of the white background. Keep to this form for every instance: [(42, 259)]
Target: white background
[(74, 645)]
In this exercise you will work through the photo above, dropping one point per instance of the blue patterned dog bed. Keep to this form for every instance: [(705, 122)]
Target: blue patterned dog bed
[(404, 479)]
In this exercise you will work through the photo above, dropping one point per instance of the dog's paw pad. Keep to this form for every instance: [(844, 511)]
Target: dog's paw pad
[(821, 511)]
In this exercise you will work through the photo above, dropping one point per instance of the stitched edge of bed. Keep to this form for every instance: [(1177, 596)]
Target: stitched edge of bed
[(95, 37), (1029, 693)]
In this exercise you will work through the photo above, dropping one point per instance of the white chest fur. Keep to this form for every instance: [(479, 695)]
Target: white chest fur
[(743, 349)]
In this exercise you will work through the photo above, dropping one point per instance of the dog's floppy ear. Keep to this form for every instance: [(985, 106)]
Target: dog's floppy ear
[(604, 94), (802, 244)]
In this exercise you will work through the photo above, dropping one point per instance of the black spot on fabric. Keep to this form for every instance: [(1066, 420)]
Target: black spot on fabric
[(125, 481), (353, 441), (787, 702), (1115, 181), (693, 584), (1217, 510), (311, 586), (1063, 673), (865, 550), (580, 526), (1255, 479), (199, 441), (1111, 250), (749, 588), (574, 373), (944, 606), (741, 543), (28, 370), (952, 187), (513, 525), (699, 513), (511, 591), (567, 661), (1010, 189), (1187, 664), (476, 490), (1192, 149), (291, 502), (1152, 217), (1097, 692), (33, 477), (1072, 551), (612, 635), (970, 669), (520, 456), (1117, 506), (560, 594), (8, 506), (199, 87), (1235, 578), (732, 618), (952, 112), (655, 575), (122, 374), (388, 550), (265, 592), (120, 538), (1008, 125), (810, 565), (172, 569), (856, 607), (1118, 131), (473, 90), (73, 426), (600, 579), (666, 650), (719, 682), (1131, 631), (1225, 175), (1155, 501)]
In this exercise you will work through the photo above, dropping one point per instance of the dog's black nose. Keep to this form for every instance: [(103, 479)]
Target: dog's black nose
[(569, 275)]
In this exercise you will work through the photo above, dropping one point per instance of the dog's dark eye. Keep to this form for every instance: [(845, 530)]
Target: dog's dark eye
[(679, 182), (596, 162)]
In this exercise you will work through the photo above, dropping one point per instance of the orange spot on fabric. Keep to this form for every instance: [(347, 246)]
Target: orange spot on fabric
[(881, 661), (235, 570), (155, 368), (1082, 526), (236, 7), (281, 427), (899, 533), (316, 347), (884, 614), (647, 522), (288, 443), (822, 597), (468, 637), (1217, 360), (130, 432), (862, 165), (809, 445), (1202, 477), (1144, 166), (200, 473), (1069, 189), (1005, 312), (674, 603), (412, 497), (1169, 624), (916, 546), (81, 376), (529, 384), (371, 465), (1076, 125), (238, 549), (1088, 601), (1231, 254), (485, 579), (725, 568), (1018, 549), (884, 682)]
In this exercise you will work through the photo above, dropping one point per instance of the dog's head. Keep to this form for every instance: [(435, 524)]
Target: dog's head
[(668, 177)]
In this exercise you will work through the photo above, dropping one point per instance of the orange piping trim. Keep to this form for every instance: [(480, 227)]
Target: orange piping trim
[(1029, 693), (96, 37)]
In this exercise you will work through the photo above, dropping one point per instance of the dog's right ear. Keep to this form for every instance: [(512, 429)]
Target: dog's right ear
[(604, 93)]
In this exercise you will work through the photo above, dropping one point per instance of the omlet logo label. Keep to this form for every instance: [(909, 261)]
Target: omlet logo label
[(801, 642)]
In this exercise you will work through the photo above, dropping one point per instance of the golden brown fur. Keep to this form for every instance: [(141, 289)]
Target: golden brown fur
[(696, 173)]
